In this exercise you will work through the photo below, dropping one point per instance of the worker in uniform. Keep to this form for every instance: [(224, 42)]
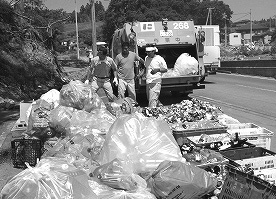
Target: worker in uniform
[(127, 70), (99, 73), (155, 67)]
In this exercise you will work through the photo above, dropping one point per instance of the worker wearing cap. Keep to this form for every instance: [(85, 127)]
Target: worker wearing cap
[(155, 67), (99, 73), (127, 71)]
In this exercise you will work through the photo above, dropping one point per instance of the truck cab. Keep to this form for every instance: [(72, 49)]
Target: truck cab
[(172, 38)]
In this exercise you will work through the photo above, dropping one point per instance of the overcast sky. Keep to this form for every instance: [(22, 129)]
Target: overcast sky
[(260, 9)]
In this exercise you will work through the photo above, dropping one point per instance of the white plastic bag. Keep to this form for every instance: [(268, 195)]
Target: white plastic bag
[(186, 65), (52, 97)]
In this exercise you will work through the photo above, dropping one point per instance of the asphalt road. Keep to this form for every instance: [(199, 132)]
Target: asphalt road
[(248, 99)]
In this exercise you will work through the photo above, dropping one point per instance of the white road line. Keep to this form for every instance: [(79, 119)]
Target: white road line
[(256, 88)]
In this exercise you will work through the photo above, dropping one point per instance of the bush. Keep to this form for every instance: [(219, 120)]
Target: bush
[(73, 57), (61, 48)]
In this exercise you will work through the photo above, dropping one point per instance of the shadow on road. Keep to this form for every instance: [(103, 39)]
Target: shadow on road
[(206, 82)]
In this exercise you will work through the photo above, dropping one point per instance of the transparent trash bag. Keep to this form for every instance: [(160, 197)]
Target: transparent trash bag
[(100, 119), (80, 96), (38, 122), (48, 179), (116, 174), (145, 142), (106, 192), (173, 179), (60, 120)]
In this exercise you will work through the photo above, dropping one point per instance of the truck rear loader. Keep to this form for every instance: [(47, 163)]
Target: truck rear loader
[(172, 38)]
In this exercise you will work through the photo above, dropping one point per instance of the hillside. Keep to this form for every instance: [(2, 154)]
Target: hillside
[(71, 28)]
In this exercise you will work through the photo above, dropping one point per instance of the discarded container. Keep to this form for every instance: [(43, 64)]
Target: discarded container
[(268, 175), (255, 134), (26, 150), (256, 158), (240, 185)]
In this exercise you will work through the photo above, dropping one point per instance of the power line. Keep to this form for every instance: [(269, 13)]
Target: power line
[(241, 17)]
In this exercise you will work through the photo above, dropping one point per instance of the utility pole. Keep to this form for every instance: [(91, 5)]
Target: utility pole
[(225, 32), (93, 21), (209, 15), (250, 28), (77, 31)]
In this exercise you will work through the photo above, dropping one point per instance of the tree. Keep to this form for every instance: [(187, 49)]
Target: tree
[(220, 13), (85, 12), (122, 11)]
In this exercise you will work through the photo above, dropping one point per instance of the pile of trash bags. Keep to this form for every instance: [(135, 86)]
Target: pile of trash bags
[(96, 150), (184, 65)]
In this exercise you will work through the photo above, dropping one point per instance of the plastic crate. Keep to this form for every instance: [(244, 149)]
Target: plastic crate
[(268, 175), (239, 185), (181, 135), (26, 150), (257, 157), (255, 134)]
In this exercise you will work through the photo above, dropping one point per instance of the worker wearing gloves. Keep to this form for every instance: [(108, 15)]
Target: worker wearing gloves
[(99, 73), (155, 67), (127, 71)]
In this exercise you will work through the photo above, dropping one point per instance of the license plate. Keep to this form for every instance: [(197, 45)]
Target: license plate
[(168, 33)]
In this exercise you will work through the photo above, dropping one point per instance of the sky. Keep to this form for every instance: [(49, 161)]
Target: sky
[(260, 9)]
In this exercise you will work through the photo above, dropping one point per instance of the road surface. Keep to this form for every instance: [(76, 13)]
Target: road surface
[(248, 99)]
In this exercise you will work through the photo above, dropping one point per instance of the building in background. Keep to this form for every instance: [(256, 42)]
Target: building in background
[(235, 39)]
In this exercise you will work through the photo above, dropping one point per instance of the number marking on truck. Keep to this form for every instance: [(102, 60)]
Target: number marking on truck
[(181, 25), (168, 33)]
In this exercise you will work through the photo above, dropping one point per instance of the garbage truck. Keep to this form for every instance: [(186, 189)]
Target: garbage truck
[(172, 38)]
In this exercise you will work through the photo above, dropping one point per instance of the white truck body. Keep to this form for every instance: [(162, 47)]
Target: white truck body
[(211, 44)]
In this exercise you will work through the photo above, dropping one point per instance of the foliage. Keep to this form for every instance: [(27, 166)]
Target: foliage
[(122, 11), (7, 22), (85, 13), (25, 63)]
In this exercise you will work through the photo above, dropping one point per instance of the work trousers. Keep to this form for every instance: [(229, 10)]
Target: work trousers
[(129, 85), (105, 84), (153, 91)]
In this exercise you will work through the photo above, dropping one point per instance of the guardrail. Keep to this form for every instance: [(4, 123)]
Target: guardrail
[(266, 68)]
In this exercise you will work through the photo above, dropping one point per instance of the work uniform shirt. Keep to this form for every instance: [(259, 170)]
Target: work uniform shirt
[(102, 68), (157, 62), (126, 65)]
